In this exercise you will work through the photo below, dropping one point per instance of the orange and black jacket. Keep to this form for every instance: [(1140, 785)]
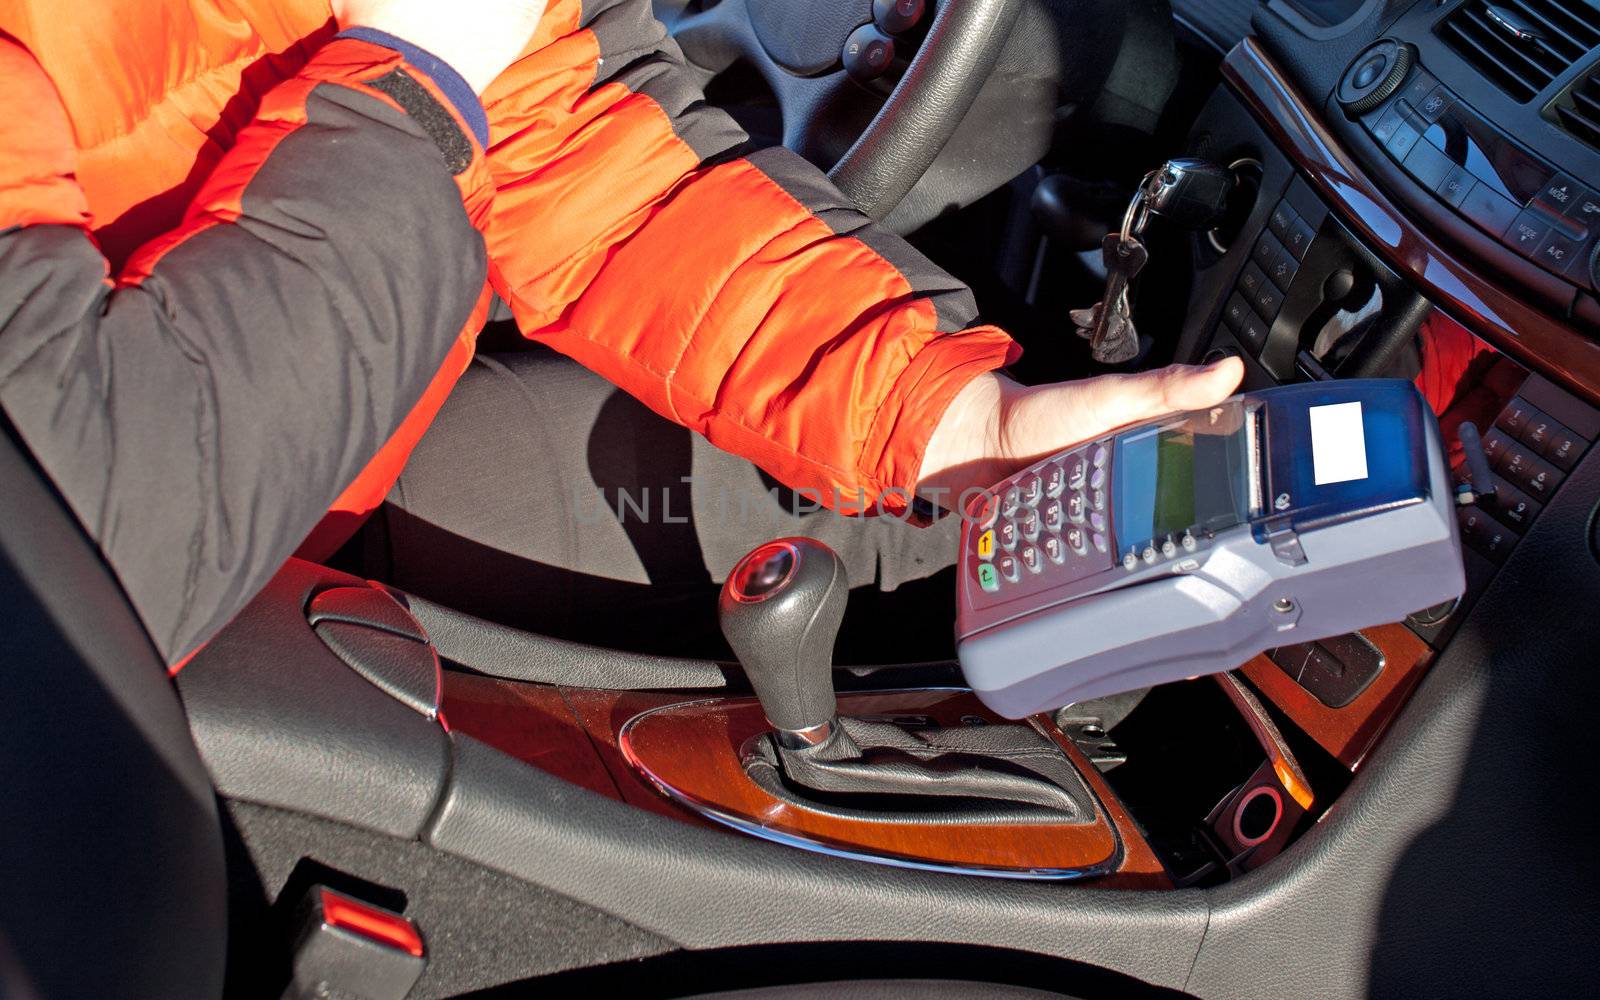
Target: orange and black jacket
[(243, 261)]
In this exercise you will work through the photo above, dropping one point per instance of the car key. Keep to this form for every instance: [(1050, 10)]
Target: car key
[(1108, 325), (1190, 193), (1187, 192)]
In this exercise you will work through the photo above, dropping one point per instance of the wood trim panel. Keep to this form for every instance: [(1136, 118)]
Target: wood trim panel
[(1497, 314), (693, 751), (1349, 732), (572, 733)]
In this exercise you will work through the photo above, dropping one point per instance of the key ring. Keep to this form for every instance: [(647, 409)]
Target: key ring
[(1137, 216)]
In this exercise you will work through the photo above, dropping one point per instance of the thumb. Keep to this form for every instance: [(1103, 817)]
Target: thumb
[(1178, 387)]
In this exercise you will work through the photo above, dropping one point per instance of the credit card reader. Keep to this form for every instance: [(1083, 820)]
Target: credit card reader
[(1187, 545)]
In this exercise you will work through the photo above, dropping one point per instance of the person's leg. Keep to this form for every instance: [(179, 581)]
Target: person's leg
[(545, 498)]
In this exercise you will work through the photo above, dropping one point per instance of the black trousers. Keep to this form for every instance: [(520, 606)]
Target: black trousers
[(545, 498)]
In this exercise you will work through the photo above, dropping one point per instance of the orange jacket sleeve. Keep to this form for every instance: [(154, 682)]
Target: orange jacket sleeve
[(741, 296)]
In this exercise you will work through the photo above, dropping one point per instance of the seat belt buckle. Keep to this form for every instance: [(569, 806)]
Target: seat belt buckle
[(347, 948)]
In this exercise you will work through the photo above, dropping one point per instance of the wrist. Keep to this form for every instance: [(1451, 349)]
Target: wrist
[(967, 446)]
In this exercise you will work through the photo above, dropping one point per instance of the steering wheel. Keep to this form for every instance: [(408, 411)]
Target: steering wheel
[(798, 47)]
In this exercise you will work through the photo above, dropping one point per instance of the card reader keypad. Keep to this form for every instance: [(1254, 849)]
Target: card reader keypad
[(1047, 526)]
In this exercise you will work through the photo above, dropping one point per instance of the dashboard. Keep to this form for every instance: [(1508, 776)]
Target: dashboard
[(1429, 209)]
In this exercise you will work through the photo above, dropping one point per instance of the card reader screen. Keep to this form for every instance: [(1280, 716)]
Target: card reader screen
[(1189, 476)]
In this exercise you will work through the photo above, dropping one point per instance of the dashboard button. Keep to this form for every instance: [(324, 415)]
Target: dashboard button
[(1268, 301), (1236, 312), (1282, 218), (1406, 135), (1251, 280), (1559, 251), (1418, 87), (1254, 334), (1586, 209), (1456, 186), (1495, 446), (1428, 165), (1527, 233), (1486, 535), (1432, 107), (1384, 124), (1564, 447), (1514, 507), (1301, 236), (1560, 195), (1533, 475), (1536, 432), (1489, 210), (1515, 417)]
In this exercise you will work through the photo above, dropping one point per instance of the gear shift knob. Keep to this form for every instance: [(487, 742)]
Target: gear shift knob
[(780, 611)]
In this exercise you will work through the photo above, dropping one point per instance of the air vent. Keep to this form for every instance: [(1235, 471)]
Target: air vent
[(1522, 45), (1579, 110)]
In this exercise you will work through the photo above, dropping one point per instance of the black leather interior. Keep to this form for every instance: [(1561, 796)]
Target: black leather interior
[(963, 44), (982, 774), (108, 826)]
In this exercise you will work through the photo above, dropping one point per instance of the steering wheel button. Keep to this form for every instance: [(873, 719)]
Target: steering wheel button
[(986, 545), (868, 52), (898, 16)]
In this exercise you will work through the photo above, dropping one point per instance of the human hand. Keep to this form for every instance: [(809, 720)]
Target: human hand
[(478, 38), (995, 426)]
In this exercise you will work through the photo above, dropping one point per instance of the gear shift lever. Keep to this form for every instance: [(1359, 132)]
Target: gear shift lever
[(780, 611)]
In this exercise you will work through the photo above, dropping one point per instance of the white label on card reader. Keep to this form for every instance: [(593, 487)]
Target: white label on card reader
[(1338, 443)]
